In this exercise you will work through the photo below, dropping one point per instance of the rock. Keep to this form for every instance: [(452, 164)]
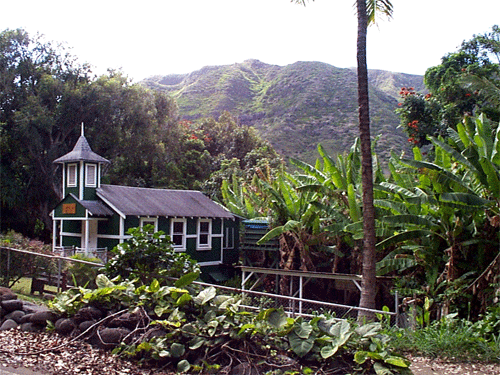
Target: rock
[(64, 326), (31, 327), (30, 307), (88, 313), (12, 305), (16, 316), (26, 318), (42, 317), (126, 320), (154, 332), (6, 294), (83, 326), (8, 324), (111, 337), (244, 368)]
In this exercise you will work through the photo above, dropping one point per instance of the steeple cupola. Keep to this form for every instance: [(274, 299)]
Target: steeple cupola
[(82, 170)]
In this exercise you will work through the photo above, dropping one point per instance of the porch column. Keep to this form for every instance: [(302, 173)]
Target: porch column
[(54, 234), (87, 229)]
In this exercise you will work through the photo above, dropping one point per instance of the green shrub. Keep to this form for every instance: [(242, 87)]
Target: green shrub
[(15, 265), (81, 274), (147, 256)]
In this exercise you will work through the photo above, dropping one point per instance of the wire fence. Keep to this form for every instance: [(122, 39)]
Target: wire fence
[(53, 270)]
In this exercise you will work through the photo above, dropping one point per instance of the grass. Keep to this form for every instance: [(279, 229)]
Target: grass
[(23, 290), (454, 339)]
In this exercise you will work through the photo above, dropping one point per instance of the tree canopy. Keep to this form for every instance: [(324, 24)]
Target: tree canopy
[(45, 96)]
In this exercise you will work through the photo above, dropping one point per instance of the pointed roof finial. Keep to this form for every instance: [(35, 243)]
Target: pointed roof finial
[(82, 129)]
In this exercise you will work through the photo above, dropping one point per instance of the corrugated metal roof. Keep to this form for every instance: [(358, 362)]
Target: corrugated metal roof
[(96, 208), (81, 152), (161, 202)]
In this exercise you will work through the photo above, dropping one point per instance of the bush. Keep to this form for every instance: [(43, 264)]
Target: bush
[(147, 256), (82, 274), (15, 265)]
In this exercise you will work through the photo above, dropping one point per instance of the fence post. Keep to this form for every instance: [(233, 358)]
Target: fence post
[(59, 275), (396, 307), (8, 266)]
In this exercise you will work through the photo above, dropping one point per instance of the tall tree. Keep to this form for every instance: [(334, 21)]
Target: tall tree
[(367, 12)]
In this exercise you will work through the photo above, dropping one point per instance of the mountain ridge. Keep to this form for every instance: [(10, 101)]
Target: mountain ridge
[(295, 106)]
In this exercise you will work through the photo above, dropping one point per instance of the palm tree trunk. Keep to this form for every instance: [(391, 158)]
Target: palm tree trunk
[(368, 286)]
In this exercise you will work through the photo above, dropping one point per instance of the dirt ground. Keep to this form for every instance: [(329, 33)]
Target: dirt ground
[(427, 366)]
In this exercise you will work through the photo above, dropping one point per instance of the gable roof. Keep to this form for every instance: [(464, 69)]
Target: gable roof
[(160, 202), (81, 152), (96, 208)]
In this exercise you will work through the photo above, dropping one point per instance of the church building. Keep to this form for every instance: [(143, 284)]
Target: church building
[(92, 218)]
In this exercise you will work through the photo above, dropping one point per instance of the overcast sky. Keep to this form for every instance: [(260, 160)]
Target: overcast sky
[(150, 37)]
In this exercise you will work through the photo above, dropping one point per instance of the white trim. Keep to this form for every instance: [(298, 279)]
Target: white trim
[(82, 180), (229, 235), (71, 234), (149, 219), (121, 232), (122, 215), (181, 247), (212, 263), (87, 175), (202, 246), (75, 167)]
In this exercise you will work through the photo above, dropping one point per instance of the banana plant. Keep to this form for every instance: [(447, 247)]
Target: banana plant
[(446, 210)]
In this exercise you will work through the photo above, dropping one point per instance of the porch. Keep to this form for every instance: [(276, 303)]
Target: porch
[(91, 252)]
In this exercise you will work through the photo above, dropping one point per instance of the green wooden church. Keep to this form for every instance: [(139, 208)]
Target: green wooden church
[(92, 218)]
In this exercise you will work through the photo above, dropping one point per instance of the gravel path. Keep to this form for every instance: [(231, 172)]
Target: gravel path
[(80, 358)]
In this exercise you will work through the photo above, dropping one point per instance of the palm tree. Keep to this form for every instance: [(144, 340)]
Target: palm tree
[(367, 12)]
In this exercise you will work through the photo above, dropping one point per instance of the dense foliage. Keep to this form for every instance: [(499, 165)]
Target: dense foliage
[(147, 255), (197, 330), (45, 96), (437, 220), (465, 83), (15, 265)]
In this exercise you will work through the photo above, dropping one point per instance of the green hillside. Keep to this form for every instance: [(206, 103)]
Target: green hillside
[(296, 106)]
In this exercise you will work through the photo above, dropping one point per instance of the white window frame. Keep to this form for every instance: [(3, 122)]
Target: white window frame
[(208, 245), (153, 220), (72, 168), (182, 246), (229, 238), (88, 174)]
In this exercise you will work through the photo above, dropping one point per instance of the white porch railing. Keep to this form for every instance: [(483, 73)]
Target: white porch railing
[(91, 252)]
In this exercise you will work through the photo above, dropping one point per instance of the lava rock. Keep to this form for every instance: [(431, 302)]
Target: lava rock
[(15, 316), (6, 294), (30, 307), (111, 337), (64, 326), (12, 305), (8, 324), (31, 327), (83, 326), (42, 317), (88, 313), (126, 320)]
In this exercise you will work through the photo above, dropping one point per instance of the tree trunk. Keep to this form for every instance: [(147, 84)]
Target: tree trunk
[(368, 286)]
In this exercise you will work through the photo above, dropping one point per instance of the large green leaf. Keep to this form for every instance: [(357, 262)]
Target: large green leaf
[(300, 346), (398, 264), (186, 279), (406, 219), (205, 295), (303, 329), (464, 200), (406, 236), (277, 319)]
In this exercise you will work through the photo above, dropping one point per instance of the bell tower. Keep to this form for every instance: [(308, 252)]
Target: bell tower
[(82, 170)]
